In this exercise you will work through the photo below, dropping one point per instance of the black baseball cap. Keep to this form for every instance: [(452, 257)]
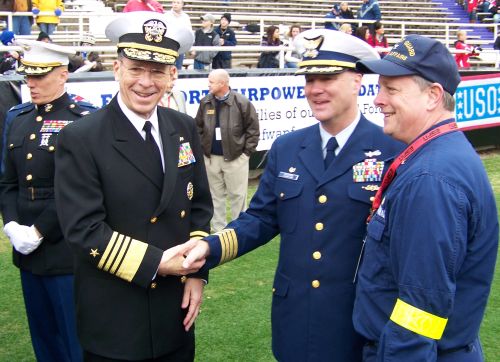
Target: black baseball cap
[(417, 55)]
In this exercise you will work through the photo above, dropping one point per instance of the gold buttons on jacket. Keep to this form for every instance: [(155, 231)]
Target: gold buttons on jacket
[(282, 195), (153, 285), (319, 226), (72, 106), (274, 289), (39, 118), (11, 146), (32, 136), (322, 199), (315, 283), (372, 198), (183, 214), (29, 156), (183, 279), (51, 148), (316, 255), (153, 219), (29, 178)]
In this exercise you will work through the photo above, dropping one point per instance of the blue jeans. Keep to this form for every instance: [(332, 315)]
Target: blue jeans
[(50, 308), (21, 25), (199, 65), (179, 61), (47, 28)]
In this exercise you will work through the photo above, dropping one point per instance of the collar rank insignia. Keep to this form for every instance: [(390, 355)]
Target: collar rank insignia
[(48, 107), (154, 30), (371, 154), (312, 46)]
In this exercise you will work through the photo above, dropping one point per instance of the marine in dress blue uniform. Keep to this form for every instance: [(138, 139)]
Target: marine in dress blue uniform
[(120, 209), (432, 243), (28, 207), (320, 212)]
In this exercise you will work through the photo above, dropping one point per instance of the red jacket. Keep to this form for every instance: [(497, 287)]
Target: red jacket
[(143, 5), (462, 59)]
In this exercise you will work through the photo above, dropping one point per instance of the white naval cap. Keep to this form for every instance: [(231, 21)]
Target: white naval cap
[(327, 51), (41, 58), (147, 35)]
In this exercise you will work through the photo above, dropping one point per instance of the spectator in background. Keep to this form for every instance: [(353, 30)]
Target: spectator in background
[(472, 10), (21, 25), (363, 33), (378, 39), (496, 46), (43, 36), (85, 61), (9, 60), (177, 17), (227, 38), (205, 36), (292, 57), (495, 11), (272, 38), (346, 28), (332, 14), (143, 5), (229, 130), (47, 23), (345, 12), (173, 99), (369, 10), (462, 58)]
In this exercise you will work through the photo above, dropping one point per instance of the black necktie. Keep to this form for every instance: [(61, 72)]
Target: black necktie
[(152, 145), (330, 151)]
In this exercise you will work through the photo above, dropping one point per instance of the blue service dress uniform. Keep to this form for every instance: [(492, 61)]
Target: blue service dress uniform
[(119, 218), (321, 216), (28, 198), (429, 258)]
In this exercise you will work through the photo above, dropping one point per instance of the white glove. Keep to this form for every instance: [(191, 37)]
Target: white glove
[(23, 238)]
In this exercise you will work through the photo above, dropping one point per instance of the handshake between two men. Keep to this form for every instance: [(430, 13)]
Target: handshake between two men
[(184, 258)]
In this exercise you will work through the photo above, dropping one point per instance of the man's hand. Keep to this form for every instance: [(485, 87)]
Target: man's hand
[(172, 259), (198, 251), (193, 293)]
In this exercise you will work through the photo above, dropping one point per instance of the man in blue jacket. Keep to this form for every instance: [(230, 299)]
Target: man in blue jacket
[(315, 192), (369, 10), (432, 240), (227, 39)]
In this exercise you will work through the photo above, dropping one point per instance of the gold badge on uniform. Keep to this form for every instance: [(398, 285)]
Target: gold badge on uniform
[(312, 46), (94, 252), (48, 107), (190, 190)]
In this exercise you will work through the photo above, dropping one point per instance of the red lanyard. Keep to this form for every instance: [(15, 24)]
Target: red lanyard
[(410, 150)]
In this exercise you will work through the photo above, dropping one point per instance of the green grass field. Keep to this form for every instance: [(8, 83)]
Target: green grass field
[(235, 321)]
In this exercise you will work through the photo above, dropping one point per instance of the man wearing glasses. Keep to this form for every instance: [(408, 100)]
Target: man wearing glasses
[(131, 183)]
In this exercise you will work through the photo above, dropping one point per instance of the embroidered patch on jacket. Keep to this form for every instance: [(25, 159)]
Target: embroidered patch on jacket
[(370, 170), (53, 126), (186, 156)]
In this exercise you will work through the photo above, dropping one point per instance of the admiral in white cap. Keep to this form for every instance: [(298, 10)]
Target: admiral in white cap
[(146, 35), (41, 58)]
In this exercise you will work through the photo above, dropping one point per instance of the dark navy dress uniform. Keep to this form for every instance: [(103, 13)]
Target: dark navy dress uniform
[(430, 253), (321, 216), (28, 198)]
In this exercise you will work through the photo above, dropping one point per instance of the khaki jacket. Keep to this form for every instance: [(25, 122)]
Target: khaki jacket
[(239, 125)]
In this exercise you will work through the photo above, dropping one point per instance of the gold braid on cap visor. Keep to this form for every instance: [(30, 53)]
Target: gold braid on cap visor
[(149, 47), (331, 63), (35, 64)]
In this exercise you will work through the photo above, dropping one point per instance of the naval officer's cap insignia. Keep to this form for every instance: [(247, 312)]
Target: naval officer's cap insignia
[(312, 46), (292, 169), (190, 190), (94, 252), (372, 154), (154, 30)]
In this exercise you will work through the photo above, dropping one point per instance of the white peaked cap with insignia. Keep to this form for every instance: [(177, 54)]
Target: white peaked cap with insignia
[(327, 51), (40, 58), (147, 35)]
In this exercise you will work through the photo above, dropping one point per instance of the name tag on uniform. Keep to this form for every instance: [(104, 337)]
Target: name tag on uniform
[(218, 135), (210, 111), (288, 176), (186, 156)]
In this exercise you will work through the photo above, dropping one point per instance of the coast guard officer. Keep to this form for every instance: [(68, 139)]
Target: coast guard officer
[(432, 241), (315, 192), (28, 205), (131, 183)]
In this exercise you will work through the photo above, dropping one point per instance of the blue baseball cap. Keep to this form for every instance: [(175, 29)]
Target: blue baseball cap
[(417, 55)]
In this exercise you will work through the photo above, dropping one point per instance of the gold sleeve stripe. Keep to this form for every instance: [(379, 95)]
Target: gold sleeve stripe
[(112, 256), (198, 234), (418, 321), (108, 250), (229, 245), (132, 261), (121, 254)]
